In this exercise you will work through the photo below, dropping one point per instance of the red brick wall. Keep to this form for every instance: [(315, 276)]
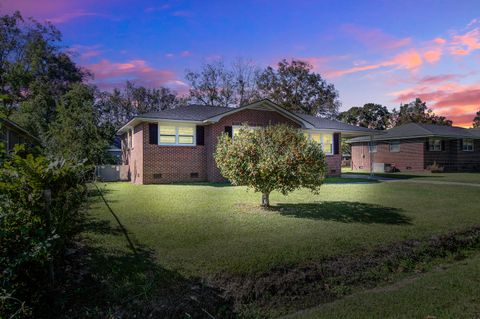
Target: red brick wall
[(410, 157), (134, 157), (453, 158), (250, 117), (176, 163)]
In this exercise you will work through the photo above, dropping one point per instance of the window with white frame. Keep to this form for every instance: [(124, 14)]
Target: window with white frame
[(467, 145), (372, 147), (176, 134), (394, 146), (324, 139), (434, 144)]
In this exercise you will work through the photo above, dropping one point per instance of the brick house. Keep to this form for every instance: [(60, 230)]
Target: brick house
[(415, 147), (177, 145)]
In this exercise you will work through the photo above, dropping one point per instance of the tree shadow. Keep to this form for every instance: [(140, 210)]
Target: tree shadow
[(345, 212), (98, 281)]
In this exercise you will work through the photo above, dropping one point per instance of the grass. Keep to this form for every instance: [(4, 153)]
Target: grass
[(451, 291), (444, 177), (205, 229)]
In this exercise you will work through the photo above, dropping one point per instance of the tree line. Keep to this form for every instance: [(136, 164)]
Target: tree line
[(45, 91)]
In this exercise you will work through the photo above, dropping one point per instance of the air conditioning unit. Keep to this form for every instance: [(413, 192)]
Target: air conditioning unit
[(379, 167)]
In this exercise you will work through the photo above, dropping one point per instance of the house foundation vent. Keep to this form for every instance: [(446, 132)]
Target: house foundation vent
[(157, 176), (193, 175)]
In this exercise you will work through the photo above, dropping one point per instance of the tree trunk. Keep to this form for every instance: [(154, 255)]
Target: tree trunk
[(266, 199)]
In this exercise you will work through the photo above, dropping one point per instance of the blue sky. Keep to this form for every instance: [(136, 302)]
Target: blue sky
[(372, 51)]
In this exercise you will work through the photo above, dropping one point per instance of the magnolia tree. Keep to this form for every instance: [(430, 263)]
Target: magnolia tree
[(276, 157)]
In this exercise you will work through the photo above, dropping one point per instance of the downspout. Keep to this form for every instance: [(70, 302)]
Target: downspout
[(370, 155)]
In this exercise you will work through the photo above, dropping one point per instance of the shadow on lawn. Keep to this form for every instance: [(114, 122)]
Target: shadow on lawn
[(345, 212), (100, 282)]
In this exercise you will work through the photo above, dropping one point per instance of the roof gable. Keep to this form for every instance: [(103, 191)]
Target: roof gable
[(202, 114)]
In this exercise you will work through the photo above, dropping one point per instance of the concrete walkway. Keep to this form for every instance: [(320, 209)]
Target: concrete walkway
[(374, 177)]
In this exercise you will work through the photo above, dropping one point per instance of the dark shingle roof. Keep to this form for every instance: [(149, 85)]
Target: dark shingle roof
[(475, 131), (188, 113), (203, 112), (413, 130), (323, 123)]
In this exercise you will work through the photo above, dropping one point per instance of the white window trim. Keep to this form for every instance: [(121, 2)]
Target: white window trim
[(322, 133), (178, 125), (372, 147), (432, 139), (394, 143), (470, 141)]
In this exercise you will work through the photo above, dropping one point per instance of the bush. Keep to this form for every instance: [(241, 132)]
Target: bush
[(277, 157), (40, 202)]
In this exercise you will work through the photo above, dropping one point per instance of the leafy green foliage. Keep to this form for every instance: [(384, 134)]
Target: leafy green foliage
[(476, 120), (371, 115), (296, 87), (40, 204), (76, 134), (276, 157), (33, 70), (417, 112)]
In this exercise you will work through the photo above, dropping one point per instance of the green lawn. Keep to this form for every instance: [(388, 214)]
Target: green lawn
[(444, 177), (452, 291), (206, 229)]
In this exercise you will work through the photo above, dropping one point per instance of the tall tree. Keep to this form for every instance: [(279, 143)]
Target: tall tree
[(296, 87), (417, 112), (371, 115), (245, 75), (76, 133), (214, 85), (119, 106), (34, 71), (476, 120)]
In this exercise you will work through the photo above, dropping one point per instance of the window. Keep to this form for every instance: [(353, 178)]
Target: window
[(372, 147), (434, 145), (324, 139), (327, 143), (176, 135), (129, 139), (395, 146), (467, 145)]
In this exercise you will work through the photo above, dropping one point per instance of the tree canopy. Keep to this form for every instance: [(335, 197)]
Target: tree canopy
[(417, 112), (296, 87), (476, 120), (371, 115), (276, 157)]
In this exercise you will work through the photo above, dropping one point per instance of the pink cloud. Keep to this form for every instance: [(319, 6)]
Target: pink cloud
[(186, 53), (109, 74), (51, 10), (466, 43), (432, 56), (435, 79), (374, 37), (454, 101), (408, 60), (86, 52)]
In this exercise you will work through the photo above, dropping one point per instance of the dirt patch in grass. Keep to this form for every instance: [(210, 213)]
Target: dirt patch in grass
[(285, 289)]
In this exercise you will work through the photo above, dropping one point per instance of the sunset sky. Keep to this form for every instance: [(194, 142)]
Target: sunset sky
[(385, 52)]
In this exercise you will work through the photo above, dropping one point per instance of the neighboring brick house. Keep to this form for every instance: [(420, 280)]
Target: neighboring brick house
[(415, 147), (177, 145), (12, 134)]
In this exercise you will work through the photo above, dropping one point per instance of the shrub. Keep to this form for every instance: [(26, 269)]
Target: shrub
[(277, 157), (40, 202)]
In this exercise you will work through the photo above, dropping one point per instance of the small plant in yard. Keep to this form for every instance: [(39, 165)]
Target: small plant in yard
[(277, 157)]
